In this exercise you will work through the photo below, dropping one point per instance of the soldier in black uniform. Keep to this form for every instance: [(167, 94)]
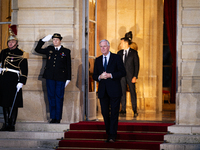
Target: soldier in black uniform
[(14, 71), (57, 73)]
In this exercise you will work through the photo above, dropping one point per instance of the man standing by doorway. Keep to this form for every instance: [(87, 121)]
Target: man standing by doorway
[(108, 71), (131, 63), (57, 73)]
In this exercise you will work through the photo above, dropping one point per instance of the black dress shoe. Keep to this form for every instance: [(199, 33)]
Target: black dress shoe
[(5, 127), (57, 121), (53, 121), (12, 128), (135, 114), (123, 112), (110, 140)]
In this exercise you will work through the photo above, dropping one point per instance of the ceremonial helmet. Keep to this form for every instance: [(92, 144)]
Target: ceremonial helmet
[(12, 33)]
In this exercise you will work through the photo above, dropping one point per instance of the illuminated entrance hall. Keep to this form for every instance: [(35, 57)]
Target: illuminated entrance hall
[(167, 115)]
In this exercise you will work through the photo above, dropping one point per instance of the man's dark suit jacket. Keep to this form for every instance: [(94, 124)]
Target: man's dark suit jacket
[(132, 63), (58, 65), (111, 85)]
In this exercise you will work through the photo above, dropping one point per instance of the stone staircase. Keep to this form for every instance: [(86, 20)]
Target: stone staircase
[(182, 137), (32, 136)]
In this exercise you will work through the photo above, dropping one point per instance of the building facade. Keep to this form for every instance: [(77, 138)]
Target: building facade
[(111, 20)]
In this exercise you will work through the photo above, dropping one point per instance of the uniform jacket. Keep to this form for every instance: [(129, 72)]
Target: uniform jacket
[(12, 59), (112, 85), (132, 63), (58, 64)]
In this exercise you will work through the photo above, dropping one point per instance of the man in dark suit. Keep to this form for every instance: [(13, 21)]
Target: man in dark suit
[(108, 71), (131, 63), (57, 73)]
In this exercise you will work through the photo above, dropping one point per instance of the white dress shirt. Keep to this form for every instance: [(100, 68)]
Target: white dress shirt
[(58, 47), (107, 57), (127, 50)]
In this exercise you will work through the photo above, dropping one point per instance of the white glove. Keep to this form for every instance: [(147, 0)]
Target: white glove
[(66, 83), (47, 38), (19, 86), (0, 70)]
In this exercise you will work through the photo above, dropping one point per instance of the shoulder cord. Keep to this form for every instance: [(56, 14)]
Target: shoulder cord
[(14, 65)]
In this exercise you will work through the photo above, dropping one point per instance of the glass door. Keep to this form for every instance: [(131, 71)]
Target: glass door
[(91, 98)]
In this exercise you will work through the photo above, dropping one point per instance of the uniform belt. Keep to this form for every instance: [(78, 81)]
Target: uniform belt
[(10, 70)]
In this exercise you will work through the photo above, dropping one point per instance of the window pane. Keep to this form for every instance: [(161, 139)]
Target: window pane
[(92, 5), (91, 39)]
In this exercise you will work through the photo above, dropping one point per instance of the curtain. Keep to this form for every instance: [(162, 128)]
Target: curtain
[(170, 21)]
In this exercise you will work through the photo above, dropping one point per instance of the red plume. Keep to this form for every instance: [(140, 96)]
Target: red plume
[(14, 29)]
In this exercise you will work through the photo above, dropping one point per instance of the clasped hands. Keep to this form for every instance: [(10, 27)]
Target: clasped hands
[(105, 75)]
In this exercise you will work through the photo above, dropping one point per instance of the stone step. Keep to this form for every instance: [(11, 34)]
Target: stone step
[(31, 135), (40, 126), (172, 146), (182, 138), (184, 129), (28, 143)]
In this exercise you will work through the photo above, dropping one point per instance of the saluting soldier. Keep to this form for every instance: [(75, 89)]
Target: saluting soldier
[(57, 73), (14, 71)]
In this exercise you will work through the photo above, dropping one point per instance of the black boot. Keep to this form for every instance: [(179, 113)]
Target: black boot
[(13, 118), (6, 126)]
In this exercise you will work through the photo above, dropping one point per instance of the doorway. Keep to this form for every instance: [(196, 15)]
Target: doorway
[(144, 18)]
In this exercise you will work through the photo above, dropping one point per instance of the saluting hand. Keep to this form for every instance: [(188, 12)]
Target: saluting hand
[(47, 38)]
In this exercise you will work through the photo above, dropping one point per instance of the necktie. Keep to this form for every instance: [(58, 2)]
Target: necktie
[(56, 49), (105, 64), (125, 56)]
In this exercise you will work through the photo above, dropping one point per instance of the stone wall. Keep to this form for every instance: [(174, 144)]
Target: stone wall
[(35, 20), (188, 94)]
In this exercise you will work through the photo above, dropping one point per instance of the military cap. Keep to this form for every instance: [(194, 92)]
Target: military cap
[(57, 35)]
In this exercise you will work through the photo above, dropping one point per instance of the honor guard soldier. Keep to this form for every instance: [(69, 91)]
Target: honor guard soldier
[(14, 71), (57, 73)]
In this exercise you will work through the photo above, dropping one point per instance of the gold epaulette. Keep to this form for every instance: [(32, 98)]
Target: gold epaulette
[(25, 54)]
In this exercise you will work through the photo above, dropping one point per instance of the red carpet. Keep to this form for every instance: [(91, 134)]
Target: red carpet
[(91, 135)]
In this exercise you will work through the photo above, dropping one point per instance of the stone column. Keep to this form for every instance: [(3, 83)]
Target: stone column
[(185, 134), (35, 20), (188, 95)]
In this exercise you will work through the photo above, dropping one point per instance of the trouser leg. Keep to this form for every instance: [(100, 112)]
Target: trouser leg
[(105, 104), (60, 89), (123, 98), (133, 96), (115, 104), (6, 119), (51, 86)]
